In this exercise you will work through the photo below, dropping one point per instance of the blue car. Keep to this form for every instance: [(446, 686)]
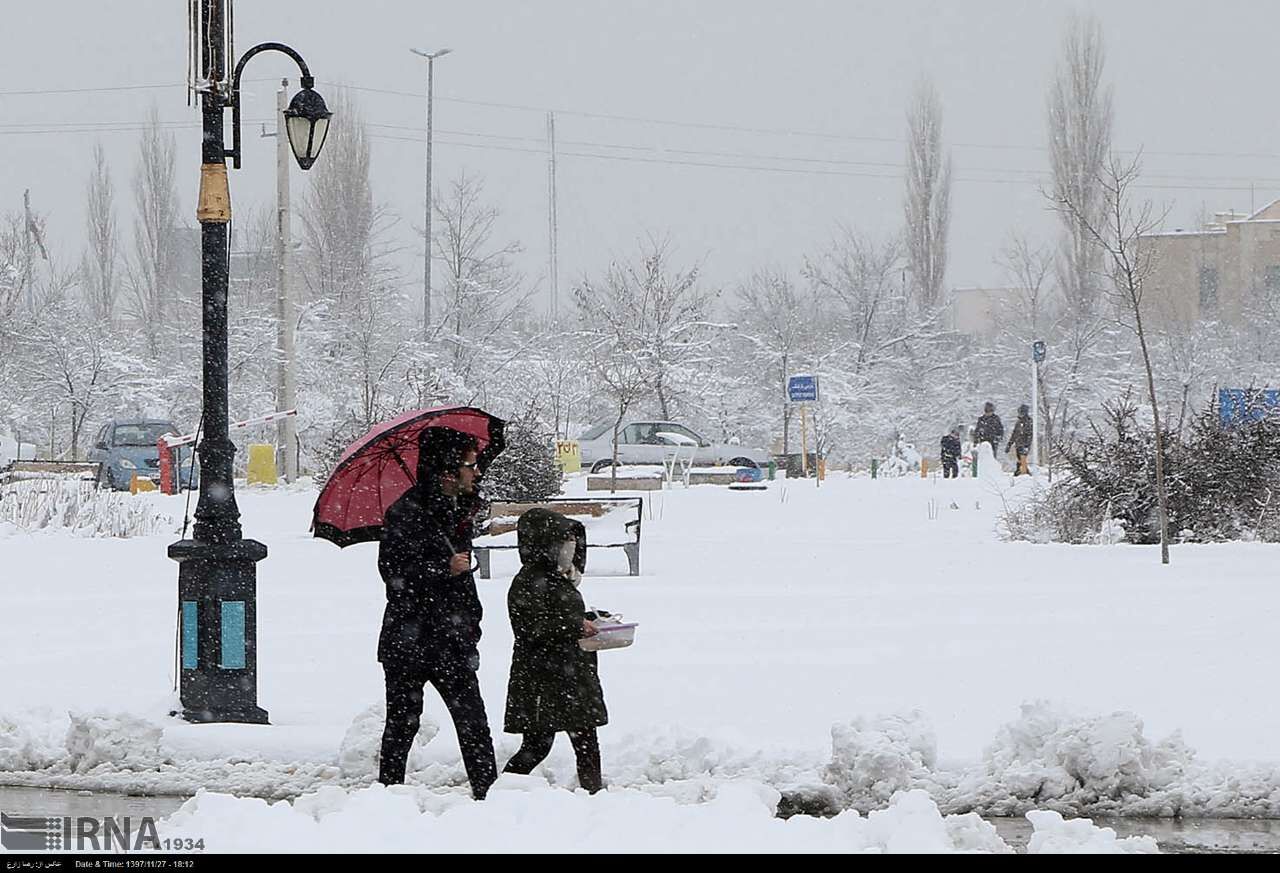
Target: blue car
[(128, 446)]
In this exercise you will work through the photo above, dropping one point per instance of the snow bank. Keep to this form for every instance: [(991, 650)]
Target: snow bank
[(872, 759), (1048, 758), (524, 814), (31, 740), (360, 754), (1057, 836), (118, 741)]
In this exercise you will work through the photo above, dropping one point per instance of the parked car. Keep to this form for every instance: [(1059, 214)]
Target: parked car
[(652, 442), (128, 446)]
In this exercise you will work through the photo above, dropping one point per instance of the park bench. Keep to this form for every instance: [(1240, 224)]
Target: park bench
[(611, 522), (23, 471)]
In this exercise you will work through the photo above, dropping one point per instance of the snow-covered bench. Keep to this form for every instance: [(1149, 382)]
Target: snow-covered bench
[(611, 522), (20, 471)]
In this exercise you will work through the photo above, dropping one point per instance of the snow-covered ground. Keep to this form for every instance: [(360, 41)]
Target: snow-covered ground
[(833, 643)]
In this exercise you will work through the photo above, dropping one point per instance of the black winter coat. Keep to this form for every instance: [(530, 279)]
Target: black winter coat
[(950, 448), (432, 619), (1021, 436), (555, 685), (989, 430)]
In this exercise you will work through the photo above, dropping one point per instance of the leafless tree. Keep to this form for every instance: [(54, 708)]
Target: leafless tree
[(482, 285), (1079, 121), (862, 278), (777, 322), (341, 225), (102, 251), (1129, 265), (927, 200), (151, 269), (666, 314), (1036, 317), (618, 355), (77, 361)]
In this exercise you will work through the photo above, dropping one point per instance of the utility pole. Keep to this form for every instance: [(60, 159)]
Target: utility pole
[(286, 391), (426, 267), (552, 225)]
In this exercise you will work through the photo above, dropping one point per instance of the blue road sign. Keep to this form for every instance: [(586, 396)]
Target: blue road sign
[(802, 389), (1037, 351), (1236, 405)]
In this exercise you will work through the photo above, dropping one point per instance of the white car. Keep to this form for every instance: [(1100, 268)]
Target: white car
[(653, 442)]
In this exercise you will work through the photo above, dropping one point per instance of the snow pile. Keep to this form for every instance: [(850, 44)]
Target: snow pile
[(80, 508), (32, 741), (523, 813), (1071, 762), (360, 754), (1057, 836), (872, 759), (115, 740)]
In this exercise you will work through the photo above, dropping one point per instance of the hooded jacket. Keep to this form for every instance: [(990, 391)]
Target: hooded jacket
[(554, 685)]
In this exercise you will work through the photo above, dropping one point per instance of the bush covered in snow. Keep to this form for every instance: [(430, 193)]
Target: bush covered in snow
[(527, 469), (1223, 482), (78, 506)]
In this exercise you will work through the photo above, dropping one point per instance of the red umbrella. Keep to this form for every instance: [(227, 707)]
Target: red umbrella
[(376, 470)]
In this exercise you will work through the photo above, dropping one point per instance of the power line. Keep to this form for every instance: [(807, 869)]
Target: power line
[(1039, 181), (664, 150), (786, 132), (731, 128), (102, 88)]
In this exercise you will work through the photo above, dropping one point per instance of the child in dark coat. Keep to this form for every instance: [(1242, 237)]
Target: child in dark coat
[(951, 454), (554, 683)]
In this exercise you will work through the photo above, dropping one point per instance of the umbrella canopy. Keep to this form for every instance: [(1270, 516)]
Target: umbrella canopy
[(376, 470)]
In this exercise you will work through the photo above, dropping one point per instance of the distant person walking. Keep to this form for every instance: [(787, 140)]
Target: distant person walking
[(1020, 439), (951, 454), (990, 429)]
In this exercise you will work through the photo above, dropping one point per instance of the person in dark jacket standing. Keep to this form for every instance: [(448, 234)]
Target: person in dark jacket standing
[(431, 627), (990, 429), (951, 454), (1020, 439), (555, 685)]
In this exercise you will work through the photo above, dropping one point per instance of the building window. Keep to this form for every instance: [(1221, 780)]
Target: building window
[(1208, 289)]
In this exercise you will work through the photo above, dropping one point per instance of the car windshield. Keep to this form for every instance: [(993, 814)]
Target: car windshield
[(594, 433), (140, 434)]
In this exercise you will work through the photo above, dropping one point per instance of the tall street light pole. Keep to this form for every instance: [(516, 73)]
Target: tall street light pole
[(426, 269), (217, 573)]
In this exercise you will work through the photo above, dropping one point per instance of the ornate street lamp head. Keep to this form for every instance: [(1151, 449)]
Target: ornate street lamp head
[(307, 123)]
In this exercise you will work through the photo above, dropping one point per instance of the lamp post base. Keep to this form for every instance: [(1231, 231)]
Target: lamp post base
[(218, 635)]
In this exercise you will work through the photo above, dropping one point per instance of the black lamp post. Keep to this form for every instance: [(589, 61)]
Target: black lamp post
[(217, 574)]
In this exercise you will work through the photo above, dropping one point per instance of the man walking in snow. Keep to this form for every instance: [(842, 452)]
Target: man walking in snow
[(1020, 439), (951, 454), (431, 627), (990, 429)]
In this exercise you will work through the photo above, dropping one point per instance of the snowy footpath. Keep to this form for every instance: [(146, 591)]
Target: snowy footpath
[(869, 647)]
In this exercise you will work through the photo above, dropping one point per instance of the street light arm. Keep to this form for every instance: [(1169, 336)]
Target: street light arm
[(307, 81)]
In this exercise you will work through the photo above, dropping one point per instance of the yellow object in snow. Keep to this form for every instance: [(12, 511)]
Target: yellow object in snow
[(138, 484), (569, 455), (262, 464)]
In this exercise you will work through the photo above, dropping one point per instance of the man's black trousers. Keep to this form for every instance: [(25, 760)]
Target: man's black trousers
[(460, 691)]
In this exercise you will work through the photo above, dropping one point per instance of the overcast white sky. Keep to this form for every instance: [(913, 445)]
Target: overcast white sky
[(1194, 85)]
